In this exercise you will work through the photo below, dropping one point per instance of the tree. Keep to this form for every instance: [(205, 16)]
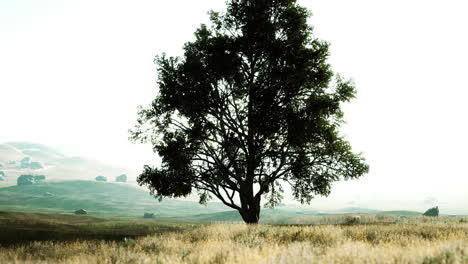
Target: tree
[(30, 179), (121, 178), (252, 104), (25, 180), (101, 178), (39, 178), (434, 211)]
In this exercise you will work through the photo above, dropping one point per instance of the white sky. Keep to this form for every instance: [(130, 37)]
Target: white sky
[(73, 72)]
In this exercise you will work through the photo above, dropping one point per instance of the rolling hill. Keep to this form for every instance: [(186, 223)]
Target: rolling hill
[(125, 200), (55, 165), (98, 198)]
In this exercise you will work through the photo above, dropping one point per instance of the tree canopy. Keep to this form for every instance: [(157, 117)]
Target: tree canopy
[(250, 106), (434, 211)]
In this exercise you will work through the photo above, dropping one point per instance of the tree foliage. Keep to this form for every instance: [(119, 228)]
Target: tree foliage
[(121, 178), (101, 178), (434, 211), (30, 179), (252, 104)]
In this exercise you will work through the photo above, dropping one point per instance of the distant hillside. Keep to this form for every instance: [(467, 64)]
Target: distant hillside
[(54, 164), (115, 199), (37, 151), (98, 198)]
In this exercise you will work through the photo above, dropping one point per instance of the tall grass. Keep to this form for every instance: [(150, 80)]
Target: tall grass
[(375, 239)]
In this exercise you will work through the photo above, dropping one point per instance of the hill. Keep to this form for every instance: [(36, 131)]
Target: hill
[(125, 200), (36, 151), (98, 198), (53, 164)]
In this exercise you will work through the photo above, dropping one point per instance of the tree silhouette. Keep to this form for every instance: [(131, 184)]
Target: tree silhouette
[(252, 104), (434, 211)]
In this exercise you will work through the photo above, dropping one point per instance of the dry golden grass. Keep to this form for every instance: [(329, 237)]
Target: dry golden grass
[(415, 240)]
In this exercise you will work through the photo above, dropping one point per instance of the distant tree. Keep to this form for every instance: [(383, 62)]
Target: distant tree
[(101, 178), (25, 180), (2, 176), (434, 211), (30, 179), (148, 215), (39, 178), (252, 104), (121, 178), (81, 212)]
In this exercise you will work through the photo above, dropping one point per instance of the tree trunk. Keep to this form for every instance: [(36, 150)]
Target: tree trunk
[(250, 216), (250, 211)]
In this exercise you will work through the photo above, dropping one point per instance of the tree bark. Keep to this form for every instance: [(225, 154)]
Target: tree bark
[(250, 216), (250, 211)]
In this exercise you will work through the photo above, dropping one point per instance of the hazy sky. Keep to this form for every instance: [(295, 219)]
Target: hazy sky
[(73, 72)]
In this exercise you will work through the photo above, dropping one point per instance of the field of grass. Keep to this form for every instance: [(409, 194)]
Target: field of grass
[(19, 228), (99, 240)]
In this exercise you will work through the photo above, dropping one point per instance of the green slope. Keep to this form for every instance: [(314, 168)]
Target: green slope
[(114, 199), (98, 198), (405, 213)]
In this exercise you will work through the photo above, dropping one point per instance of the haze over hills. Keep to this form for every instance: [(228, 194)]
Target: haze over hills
[(71, 185), (120, 199), (53, 164), (17, 158)]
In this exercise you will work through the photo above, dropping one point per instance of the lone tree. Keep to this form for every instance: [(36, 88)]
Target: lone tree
[(252, 104), (101, 178), (434, 211), (121, 178), (25, 180)]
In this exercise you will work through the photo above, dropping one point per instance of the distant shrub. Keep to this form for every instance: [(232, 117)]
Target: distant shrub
[(434, 211), (25, 180), (2, 174), (121, 178), (39, 178), (101, 178), (352, 219), (30, 179), (148, 215), (81, 212)]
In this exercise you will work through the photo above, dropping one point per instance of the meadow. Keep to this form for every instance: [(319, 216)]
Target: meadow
[(333, 239)]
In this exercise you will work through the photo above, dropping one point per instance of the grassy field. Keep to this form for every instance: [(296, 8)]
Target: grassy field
[(375, 239)]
